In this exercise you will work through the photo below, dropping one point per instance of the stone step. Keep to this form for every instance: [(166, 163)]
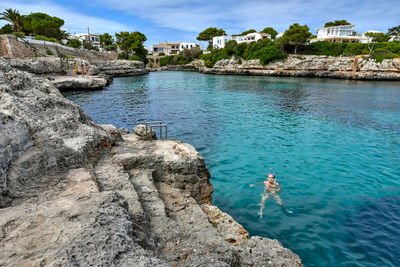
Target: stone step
[(163, 227)]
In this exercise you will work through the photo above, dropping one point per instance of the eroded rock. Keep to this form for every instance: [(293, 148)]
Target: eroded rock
[(79, 194)]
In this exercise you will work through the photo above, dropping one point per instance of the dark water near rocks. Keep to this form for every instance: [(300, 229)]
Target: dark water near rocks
[(334, 145)]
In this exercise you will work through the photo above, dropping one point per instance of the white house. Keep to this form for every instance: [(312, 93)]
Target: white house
[(93, 38), (220, 41), (171, 48), (339, 34), (186, 45)]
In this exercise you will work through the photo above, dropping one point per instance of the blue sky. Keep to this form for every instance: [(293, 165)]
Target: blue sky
[(182, 20)]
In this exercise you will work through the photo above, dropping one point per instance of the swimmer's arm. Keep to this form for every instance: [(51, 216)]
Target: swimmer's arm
[(278, 187), (251, 185)]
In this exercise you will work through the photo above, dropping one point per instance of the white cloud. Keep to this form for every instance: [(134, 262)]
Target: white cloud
[(235, 16)]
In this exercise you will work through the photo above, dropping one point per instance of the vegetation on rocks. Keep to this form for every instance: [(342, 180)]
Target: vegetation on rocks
[(186, 56), (265, 50)]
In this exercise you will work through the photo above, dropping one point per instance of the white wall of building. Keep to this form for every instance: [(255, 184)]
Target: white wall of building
[(186, 45), (94, 38), (341, 33), (220, 41)]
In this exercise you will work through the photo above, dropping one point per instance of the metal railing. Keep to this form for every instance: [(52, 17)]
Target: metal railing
[(157, 124)]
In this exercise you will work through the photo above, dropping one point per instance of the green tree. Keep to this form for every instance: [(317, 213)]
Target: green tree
[(194, 52), (230, 47), (14, 17), (247, 32), (271, 31), (395, 31), (132, 44), (6, 29), (43, 24), (106, 39), (208, 34), (296, 35), (337, 23), (240, 49), (378, 37)]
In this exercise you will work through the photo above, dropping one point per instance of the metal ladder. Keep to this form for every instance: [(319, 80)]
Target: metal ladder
[(157, 124)]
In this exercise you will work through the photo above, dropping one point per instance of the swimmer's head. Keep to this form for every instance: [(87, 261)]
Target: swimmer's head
[(271, 177)]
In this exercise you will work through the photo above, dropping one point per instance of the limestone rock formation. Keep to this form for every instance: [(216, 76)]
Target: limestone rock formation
[(74, 83), (40, 65), (145, 133), (120, 68), (362, 68), (73, 193)]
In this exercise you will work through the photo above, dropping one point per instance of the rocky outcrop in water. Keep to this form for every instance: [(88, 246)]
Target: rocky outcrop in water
[(121, 68), (186, 67), (356, 68), (78, 83), (73, 193)]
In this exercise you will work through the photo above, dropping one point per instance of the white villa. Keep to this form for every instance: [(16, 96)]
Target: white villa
[(220, 41), (93, 38), (339, 34), (172, 48), (186, 45)]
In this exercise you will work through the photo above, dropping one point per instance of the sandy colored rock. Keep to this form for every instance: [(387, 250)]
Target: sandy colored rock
[(77, 194)]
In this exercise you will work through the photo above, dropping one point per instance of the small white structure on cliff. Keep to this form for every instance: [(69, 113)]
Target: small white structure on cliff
[(339, 34), (220, 41), (187, 45), (94, 39)]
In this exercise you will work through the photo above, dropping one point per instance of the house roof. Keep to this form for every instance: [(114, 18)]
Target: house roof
[(353, 25)]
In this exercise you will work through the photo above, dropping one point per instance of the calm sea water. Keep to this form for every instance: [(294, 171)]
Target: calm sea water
[(334, 146)]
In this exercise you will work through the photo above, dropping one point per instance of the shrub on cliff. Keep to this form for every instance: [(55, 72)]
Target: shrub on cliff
[(44, 38), (271, 54), (380, 54), (6, 29), (174, 60), (135, 57), (74, 43), (192, 53), (215, 55), (325, 48)]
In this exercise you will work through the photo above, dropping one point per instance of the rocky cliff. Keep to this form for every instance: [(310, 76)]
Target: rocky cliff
[(121, 68), (357, 68), (73, 193), (60, 71)]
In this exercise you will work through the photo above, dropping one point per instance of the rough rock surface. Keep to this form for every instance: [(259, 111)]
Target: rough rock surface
[(145, 133), (186, 67), (77, 194), (120, 68), (356, 68), (85, 83), (40, 65)]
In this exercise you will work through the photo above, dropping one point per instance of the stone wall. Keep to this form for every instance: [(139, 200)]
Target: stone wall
[(13, 47)]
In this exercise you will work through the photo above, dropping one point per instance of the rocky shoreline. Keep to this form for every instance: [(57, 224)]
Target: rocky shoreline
[(60, 72), (74, 193), (350, 68)]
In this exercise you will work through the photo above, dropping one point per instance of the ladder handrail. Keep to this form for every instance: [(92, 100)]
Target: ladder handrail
[(159, 124)]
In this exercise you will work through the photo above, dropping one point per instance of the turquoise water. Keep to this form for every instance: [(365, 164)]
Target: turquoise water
[(334, 145)]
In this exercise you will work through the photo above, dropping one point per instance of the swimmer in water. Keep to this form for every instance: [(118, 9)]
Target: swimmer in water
[(143, 85), (271, 187)]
